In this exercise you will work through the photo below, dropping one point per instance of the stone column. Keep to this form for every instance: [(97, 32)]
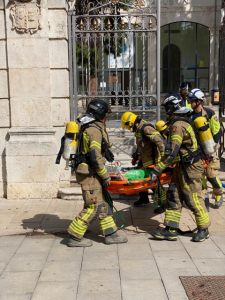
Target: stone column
[(4, 101), (33, 85), (214, 39)]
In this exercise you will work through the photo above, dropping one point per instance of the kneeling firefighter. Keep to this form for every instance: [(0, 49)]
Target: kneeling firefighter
[(196, 98), (91, 173), (186, 183), (150, 148)]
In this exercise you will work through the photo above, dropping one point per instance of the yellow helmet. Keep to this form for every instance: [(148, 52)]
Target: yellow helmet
[(128, 119), (161, 127)]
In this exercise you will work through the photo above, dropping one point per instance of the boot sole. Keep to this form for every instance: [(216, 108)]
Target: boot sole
[(202, 240), (163, 237), (75, 245), (116, 243)]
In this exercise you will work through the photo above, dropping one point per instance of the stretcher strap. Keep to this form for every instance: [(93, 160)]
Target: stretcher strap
[(110, 203), (158, 191)]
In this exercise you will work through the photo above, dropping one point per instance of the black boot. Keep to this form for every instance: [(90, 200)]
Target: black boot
[(160, 210), (169, 233), (142, 200), (201, 235)]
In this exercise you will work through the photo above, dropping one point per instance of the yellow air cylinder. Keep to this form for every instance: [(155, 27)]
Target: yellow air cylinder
[(70, 144), (161, 127), (205, 135)]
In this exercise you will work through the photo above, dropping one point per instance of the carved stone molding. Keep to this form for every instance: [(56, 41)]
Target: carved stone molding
[(71, 4), (26, 16)]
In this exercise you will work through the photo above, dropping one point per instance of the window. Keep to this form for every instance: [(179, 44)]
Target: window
[(184, 56)]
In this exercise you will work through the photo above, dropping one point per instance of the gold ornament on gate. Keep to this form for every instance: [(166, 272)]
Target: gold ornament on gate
[(139, 3), (115, 2), (150, 23), (109, 25), (81, 25)]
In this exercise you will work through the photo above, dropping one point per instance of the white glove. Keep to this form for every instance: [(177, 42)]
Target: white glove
[(107, 181)]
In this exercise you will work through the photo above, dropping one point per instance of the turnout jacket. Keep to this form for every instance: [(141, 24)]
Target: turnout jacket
[(152, 145), (92, 146), (182, 135)]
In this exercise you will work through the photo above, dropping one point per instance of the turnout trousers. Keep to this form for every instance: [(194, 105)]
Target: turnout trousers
[(188, 191), (95, 206), (212, 175)]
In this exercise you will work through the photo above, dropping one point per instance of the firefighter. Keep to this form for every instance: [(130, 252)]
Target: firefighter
[(92, 175), (196, 98), (186, 183), (184, 89), (150, 147)]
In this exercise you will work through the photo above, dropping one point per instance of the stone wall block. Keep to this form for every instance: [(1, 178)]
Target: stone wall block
[(57, 4), (31, 169), (4, 93), (60, 112), (41, 33), (28, 53), (29, 83), (31, 112), (25, 148), (57, 24), (4, 109), (1, 4), (60, 83), (32, 190), (2, 25), (3, 64), (58, 53)]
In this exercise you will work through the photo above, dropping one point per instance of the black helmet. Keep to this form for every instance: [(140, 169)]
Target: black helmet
[(98, 108), (185, 86), (172, 103)]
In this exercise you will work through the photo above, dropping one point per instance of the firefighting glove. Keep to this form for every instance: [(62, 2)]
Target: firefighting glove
[(109, 155), (107, 181)]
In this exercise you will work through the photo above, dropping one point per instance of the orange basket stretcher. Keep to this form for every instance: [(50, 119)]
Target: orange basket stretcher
[(130, 187)]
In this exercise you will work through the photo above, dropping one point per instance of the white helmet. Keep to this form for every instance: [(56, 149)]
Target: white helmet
[(196, 94)]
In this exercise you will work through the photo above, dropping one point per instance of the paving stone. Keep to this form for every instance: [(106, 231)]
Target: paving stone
[(55, 290), (157, 245), (8, 241), (219, 240), (132, 251), (5, 220), (21, 225), (27, 262), (26, 216), (138, 239), (57, 220), (175, 259), (99, 296), (99, 281), (61, 271), (139, 269), (18, 282), (16, 297), (6, 253), (210, 267), (100, 260), (2, 267), (171, 278), (177, 296), (143, 290), (204, 250), (65, 254), (34, 244)]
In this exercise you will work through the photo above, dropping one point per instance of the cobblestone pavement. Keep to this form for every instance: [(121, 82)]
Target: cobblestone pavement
[(36, 264)]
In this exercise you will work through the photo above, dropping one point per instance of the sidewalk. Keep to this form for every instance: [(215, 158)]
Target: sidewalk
[(36, 264)]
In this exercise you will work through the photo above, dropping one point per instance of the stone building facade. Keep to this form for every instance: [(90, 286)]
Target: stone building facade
[(34, 87)]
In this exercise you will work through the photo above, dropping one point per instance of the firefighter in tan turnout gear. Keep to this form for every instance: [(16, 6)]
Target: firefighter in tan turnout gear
[(150, 148), (196, 98), (92, 174), (186, 184)]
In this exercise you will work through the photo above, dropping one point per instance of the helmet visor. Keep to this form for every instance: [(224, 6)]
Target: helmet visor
[(192, 97)]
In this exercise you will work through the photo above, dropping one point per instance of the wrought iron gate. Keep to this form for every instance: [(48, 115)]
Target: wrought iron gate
[(112, 54), (222, 85)]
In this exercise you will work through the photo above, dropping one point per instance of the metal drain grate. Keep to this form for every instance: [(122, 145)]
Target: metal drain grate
[(204, 287)]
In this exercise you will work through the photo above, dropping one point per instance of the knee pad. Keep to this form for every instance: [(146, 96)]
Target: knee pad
[(171, 196), (215, 182)]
